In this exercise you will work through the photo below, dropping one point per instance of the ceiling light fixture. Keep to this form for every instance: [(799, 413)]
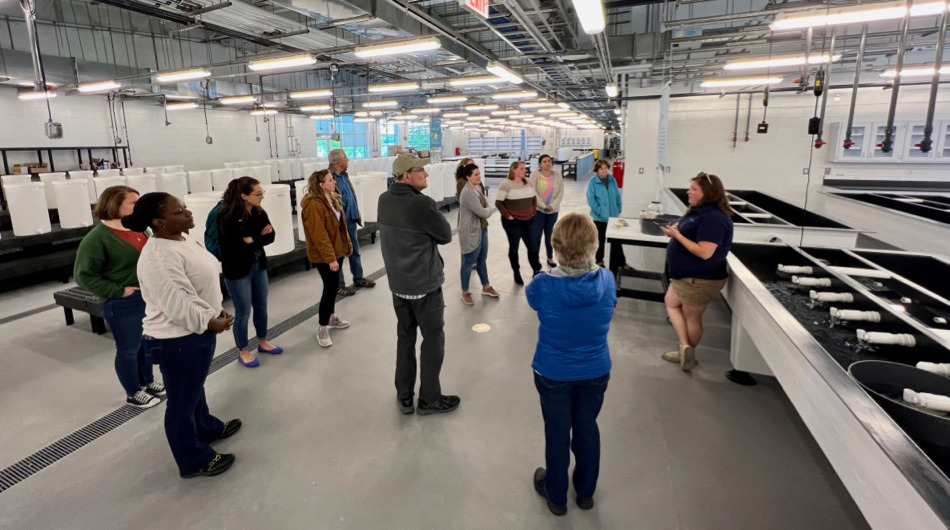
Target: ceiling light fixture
[(499, 70), (549, 110), (854, 16), (524, 94), (380, 104), (425, 110), (100, 86), (238, 100), (311, 94), (455, 115), (522, 116), (478, 118), (321, 117), (181, 106), (263, 112), (378, 50), (591, 15), (182, 75), (364, 120), (612, 90), (779, 62), (393, 87), (445, 100), (536, 104), (315, 108), (479, 108), (375, 113), (292, 61), (28, 95), (748, 81), (563, 105), (916, 71), (479, 80), (406, 117), (505, 112)]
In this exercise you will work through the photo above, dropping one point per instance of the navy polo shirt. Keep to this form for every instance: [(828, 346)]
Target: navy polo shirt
[(705, 223)]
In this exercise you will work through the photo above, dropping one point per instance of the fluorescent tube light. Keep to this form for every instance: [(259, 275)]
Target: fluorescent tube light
[(455, 115), (282, 62), (452, 122), (181, 106), (29, 95), (445, 100), (100, 86), (748, 81), (421, 45), (478, 118), (495, 120), (504, 112), (522, 116), (321, 117), (612, 90), (563, 105), (591, 15), (916, 71), (562, 115), (406, 117), (480, 80), (478, 108), (311, 94), (393, 87), (182, 75), (524, 94), (364, 120), (238, 100), (456, 128), (31, 84), (779, 62), (504, 73), (263, 112), (425, 110), (854, 16), (549, 110), (536, 104), (315, 108), (375, 113), (380, 104), (361, 114)]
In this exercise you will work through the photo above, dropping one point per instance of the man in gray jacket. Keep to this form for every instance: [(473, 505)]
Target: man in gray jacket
[(411, 229)]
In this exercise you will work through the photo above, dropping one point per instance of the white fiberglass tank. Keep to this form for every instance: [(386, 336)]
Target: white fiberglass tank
[(448, 179), (12, 180), (262, 174), (232, 165), (108, 172), (142, 183), (174, 169), (285, 169), (104, 183), (47, 179), (173, 183), (88, 176), (373, 184), (277, 205), (133, 171), (310, 168), (201, 205), (28, 210), (301, 187), (200, 181), (73, 203), (220, 178), (436, 181)]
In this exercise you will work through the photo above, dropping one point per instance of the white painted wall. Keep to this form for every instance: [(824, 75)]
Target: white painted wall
[(86, 122), (701, 130)]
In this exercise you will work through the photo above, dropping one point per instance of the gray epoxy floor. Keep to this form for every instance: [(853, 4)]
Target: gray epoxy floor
[(325, 447)]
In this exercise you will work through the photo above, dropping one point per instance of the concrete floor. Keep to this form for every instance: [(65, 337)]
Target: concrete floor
[(324, 445)]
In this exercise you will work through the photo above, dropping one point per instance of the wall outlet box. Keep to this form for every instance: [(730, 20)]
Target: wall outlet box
[(54, 130), (762, 128)]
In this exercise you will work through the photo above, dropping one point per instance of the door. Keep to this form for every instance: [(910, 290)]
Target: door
[(875, 150)]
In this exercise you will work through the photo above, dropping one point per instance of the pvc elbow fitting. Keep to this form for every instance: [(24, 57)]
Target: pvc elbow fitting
[(895, 339)]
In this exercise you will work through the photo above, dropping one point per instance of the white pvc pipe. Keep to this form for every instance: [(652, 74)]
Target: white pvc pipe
[(936, 368), (896, 339), (853, 314), (795, 269), (831, 297), (811, 282), (928, 401), (866, 273)]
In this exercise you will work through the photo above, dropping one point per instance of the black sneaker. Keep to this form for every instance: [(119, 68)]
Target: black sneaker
[(406, 406), (585, 503), (444, 404), (142, 400), (518, 279), (219, 464), (230, 428), (155, 389), (542, 491)]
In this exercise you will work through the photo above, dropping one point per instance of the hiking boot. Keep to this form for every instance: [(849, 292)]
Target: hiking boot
[(444, 404), (542, 491)]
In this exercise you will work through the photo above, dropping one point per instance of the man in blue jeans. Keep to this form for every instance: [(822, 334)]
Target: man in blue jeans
[(339, 163)]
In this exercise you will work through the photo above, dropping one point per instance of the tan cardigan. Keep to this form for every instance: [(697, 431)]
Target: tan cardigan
[(327, 236), (535, 180)]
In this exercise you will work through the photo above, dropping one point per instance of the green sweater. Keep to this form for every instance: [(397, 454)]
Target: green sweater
[(106, 264)]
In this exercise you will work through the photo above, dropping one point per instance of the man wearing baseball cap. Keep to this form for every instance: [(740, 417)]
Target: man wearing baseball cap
[(411, 229)]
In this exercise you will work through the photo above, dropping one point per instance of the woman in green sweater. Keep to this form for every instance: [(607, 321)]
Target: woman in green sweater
[(106, 266)]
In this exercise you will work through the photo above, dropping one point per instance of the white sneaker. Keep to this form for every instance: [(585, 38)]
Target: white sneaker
[(337, 323), (323, 337), (142, 400)]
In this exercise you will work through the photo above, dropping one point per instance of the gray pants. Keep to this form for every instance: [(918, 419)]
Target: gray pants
[(427, 314)]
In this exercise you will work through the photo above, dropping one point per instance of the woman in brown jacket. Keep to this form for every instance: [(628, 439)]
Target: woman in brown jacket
[(328, 242)]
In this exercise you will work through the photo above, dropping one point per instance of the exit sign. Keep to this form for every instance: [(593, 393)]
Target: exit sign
[(479, 7)]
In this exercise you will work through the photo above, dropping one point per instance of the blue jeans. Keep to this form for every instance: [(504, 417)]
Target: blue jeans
[(124, 316), (479, 256), (571, 407), (544, 225), (189, 426), (247, 293), (356, 265)]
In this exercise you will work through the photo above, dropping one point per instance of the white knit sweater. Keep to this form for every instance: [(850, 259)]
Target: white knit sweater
[(180, 286)]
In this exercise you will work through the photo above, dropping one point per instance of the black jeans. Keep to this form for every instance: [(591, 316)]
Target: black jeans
[(427, 314), (617, 258), (518, 230), (331, 283), (571, 407), (189, 426)]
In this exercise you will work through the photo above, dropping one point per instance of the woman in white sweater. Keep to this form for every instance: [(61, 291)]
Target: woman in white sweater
[(183, 314)]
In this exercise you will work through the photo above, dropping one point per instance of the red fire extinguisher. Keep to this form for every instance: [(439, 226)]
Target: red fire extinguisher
[(458, 151), (618, 172)]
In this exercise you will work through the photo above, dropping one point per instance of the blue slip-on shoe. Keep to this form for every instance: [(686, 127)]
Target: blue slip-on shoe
[(276, 351), (250, 364)]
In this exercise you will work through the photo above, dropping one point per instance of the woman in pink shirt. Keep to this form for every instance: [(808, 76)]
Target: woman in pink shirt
[(549, 186)]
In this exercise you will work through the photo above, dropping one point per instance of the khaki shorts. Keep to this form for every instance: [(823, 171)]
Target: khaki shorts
[(694, 291)]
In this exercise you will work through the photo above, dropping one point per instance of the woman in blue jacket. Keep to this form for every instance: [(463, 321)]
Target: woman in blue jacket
[(603, 197), (575, 303)]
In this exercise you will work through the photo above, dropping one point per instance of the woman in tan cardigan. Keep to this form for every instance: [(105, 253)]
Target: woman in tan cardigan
[(328, 242)]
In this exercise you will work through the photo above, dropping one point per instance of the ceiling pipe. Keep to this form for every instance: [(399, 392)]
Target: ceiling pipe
[(854, 91), (29, 14), (824, 98), (888, 144), (927, 143)]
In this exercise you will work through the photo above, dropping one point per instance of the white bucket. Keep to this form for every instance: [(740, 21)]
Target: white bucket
[(103, 183), (201, 205), (28, 210), (87, 176), (277, 204), (142, 183), (200, 182), (71, 196), (220, 178), (173, 183), (262, 174)]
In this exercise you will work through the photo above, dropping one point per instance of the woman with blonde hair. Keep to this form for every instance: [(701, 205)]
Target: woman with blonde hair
[(517, 203), (696, 260), (328, 242), (575, 303), (106, 266)]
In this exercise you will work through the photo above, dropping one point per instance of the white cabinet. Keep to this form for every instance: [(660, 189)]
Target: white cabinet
[(876, 151), (942, 141), (860, 138), (868, 137), (912, 138)]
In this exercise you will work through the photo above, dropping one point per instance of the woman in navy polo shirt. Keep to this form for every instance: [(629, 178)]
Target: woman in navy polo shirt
[(696, 260)]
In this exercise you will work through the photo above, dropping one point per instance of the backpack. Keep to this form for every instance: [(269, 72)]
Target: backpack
[(212, 242)]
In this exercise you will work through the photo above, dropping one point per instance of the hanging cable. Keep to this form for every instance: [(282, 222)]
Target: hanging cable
[(204, 106), (125, 127)]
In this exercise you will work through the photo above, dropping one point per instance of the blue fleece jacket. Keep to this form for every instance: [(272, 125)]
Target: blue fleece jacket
[(604, 201), (575, 314)]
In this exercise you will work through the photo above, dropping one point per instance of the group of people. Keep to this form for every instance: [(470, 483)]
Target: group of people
[(160, 293)]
